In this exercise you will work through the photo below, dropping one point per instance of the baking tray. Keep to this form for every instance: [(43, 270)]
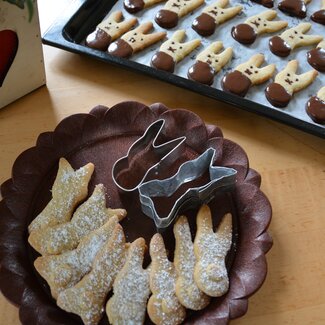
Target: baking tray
[(69, 31)]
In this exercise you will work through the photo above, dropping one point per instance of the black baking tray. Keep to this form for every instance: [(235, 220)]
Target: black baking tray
[(82, 17)]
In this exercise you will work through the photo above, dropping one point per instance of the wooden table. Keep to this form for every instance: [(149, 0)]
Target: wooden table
[(292, 164)]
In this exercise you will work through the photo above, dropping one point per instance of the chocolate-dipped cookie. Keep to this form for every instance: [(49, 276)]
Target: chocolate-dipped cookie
[(286, 83), (133, 6), (247, 32), (214, 15), (265, 3), (109, 30), (172, 51), (319, 16), (246, 75), (296, 8), (292, 38), (175, 9), (316, 57), (209, 62), (135, 41), (315, 107)]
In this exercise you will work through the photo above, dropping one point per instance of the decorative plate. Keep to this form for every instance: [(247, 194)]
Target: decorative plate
[(101, 137)]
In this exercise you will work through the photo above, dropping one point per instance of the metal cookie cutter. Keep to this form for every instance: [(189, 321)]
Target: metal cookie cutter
[(221, 178), (167, 153)]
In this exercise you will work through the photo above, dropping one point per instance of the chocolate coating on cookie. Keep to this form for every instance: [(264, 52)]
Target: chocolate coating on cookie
[(316, 58), (98, 40), (315, 108), (296, 8), (166, 18), (319, 17), (279, 47), (133, 6), (277, 95), (163, 61), (244, 33), (236, 83), (265, 3), (121, 49), (204, 25), (201, 72)]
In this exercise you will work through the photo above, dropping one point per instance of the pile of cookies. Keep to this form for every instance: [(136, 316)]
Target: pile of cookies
[(117, 37), (85, 256)]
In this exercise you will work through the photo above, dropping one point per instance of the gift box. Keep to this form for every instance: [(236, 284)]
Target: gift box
[(21, 57)]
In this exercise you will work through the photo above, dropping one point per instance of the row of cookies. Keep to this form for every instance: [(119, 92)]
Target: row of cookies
[(137, 39), (296, 8), (83, 259)]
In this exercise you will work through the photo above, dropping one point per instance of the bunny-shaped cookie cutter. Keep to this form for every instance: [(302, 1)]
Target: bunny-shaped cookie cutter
[(220, 178)]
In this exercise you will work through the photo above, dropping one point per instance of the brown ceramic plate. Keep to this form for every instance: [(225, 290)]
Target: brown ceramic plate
[(101, 137)]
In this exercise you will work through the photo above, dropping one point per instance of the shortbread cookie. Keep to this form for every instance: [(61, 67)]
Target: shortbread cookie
[(131, 289), (65, 270), (133, 6), (66, 236), (316, 57), (69, 189), (214, 15), (187, 292), (209, 62), (87, 297), (265, 3), (163, 306), (135, 40), (292, 38), (175, 9), (296, 8), (286, 83), (173, 51), (316, 107), (262, 23), (246, 75), (319, 16), (210, 249), (109, 30)]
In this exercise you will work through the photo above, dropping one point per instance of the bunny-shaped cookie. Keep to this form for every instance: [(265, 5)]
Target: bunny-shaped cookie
[(210, 249)]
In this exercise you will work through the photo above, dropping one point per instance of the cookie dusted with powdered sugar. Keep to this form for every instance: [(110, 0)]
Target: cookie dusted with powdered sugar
[(87, 297), (65, 270), (66, 236), (163, 306), (286, 83), (214, 15), (187, 292), (210, 250), (131, 289), (69, 189)]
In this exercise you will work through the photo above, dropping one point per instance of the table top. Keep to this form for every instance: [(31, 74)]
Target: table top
[(292, 165)]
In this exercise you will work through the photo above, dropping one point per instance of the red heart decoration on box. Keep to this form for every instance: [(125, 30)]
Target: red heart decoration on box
[(8, 50)]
